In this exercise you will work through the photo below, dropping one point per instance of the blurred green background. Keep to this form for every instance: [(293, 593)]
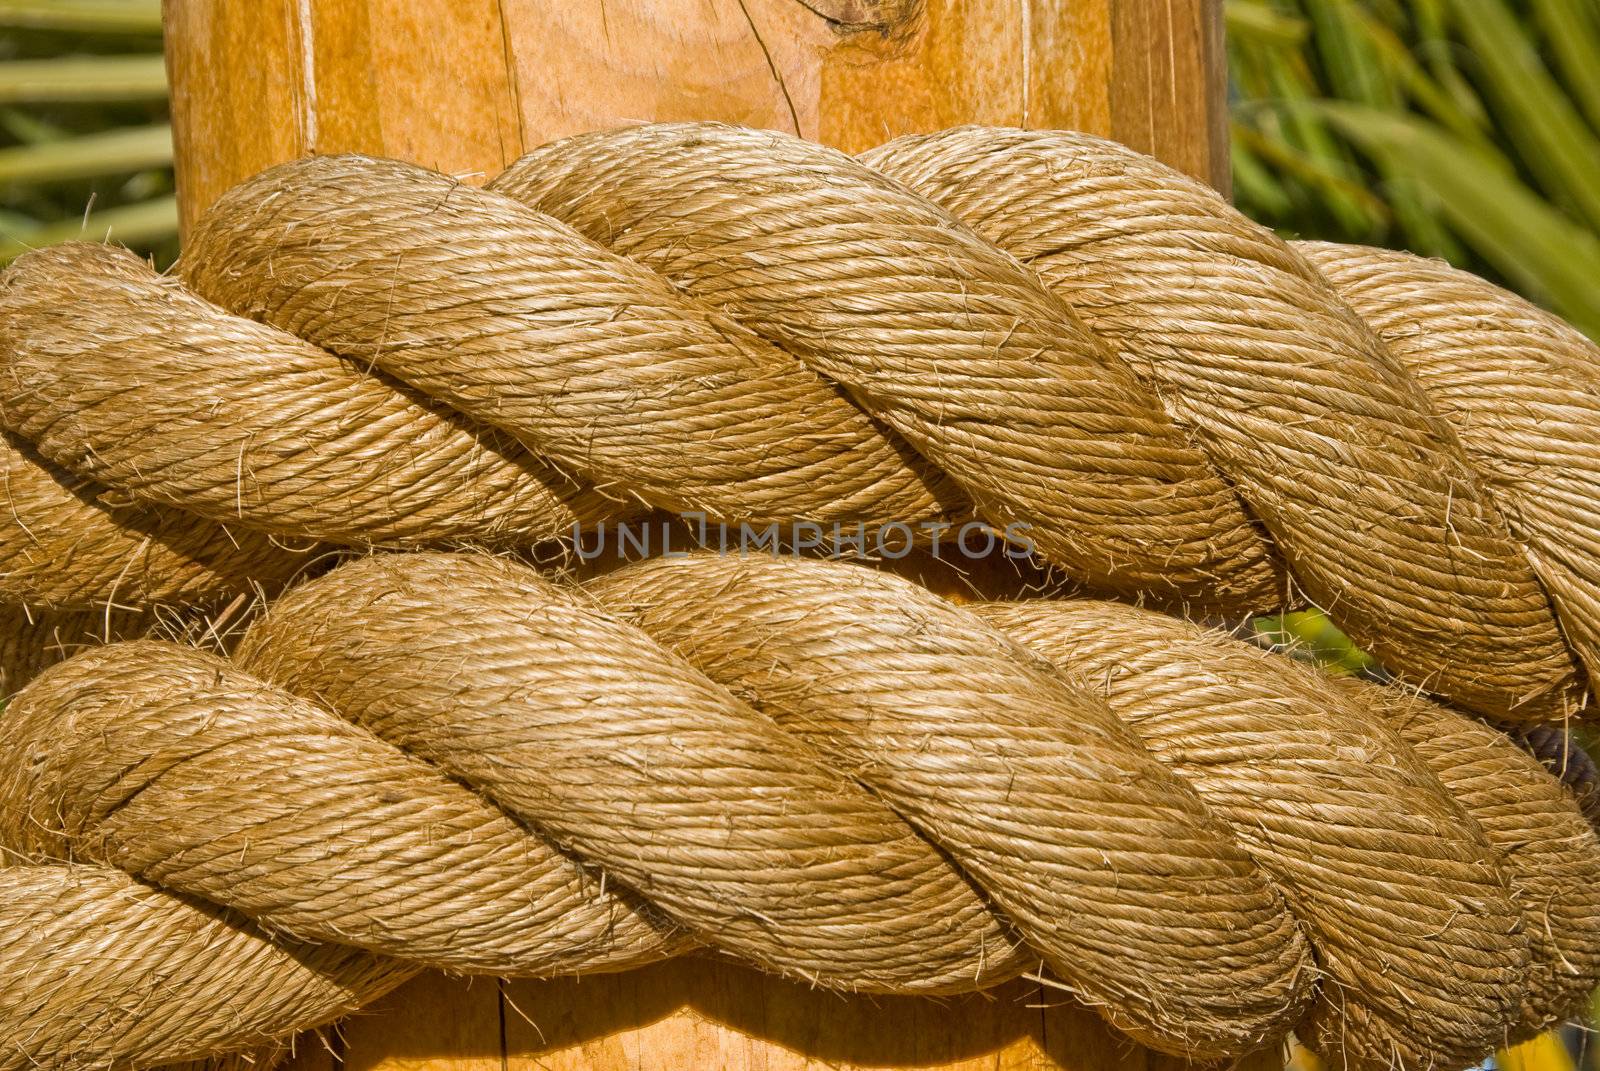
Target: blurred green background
[(83, 124), (1464, 129)]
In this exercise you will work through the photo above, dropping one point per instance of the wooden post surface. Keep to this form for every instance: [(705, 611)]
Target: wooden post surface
[(465, 86), (696, 1015)]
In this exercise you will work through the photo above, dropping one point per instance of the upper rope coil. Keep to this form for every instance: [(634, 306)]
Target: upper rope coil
[(1041, 327), (448, 760)]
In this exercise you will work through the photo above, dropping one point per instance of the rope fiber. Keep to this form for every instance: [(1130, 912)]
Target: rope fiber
[(447, 758)]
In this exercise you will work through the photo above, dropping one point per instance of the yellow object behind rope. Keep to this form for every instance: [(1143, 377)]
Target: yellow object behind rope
[(1543, 1053)]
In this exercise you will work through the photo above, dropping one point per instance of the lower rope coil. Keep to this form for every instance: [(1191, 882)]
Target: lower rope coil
[(448, 760)]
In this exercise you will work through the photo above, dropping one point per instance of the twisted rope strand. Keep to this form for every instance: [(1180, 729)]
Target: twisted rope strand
[(1522, 391), (594, 361), (99, 971), (739, 819), (32, 641), (987, 378), (955, 346), (66, 544), (586, 729), (1546, 846), (1424, 951), (183, 771), (1560, 752), (1108, 865), (121, 376), (1366, 491), (449, 760)]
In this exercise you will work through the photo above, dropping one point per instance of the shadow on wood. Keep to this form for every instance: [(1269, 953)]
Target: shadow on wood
[(697, 1013)]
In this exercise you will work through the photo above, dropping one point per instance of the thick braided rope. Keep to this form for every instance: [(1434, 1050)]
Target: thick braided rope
[(98, 970), (1037, 791), (1167, 395), (68, 543), (1563, 755), (1558, 882), (1327, 442), (1519, 387), (1337, 452), (242, 423), (33, 640), (446, 760), (823, 232), (594, 361), (952, 344), (1317, 785)]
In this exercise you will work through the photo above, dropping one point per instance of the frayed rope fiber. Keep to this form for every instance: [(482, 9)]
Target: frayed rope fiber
[(447, 760)]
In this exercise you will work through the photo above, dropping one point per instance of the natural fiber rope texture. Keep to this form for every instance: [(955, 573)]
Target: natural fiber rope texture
[(1519, 386), (67, 543), (1556, 876), (31, 641), (122, 376), (1425, 959), (949, 342), (1563, 755), (99, 971), (583, 727), (1098, 855), (786, 325), (594, 361), (1364, 488), (623, 770), (186, 772)]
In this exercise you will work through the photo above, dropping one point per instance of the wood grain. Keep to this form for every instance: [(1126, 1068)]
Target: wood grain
[(1169, 83), (465, 86), (704, 1015)]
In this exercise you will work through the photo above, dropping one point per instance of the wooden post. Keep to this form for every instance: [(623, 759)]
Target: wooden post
[(698, 1015), (465, 86)]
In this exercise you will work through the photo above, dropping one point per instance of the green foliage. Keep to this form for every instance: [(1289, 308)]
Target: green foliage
[(85, 149), (1465, 129), (1310, 634)]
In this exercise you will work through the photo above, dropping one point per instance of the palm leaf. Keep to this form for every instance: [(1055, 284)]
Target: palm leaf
[(1266, 23), (146, 223), (1573, 33), (1554, 143), (1541, 250), (1361, 66), (84, 78), (112, 152), (84, 16)]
